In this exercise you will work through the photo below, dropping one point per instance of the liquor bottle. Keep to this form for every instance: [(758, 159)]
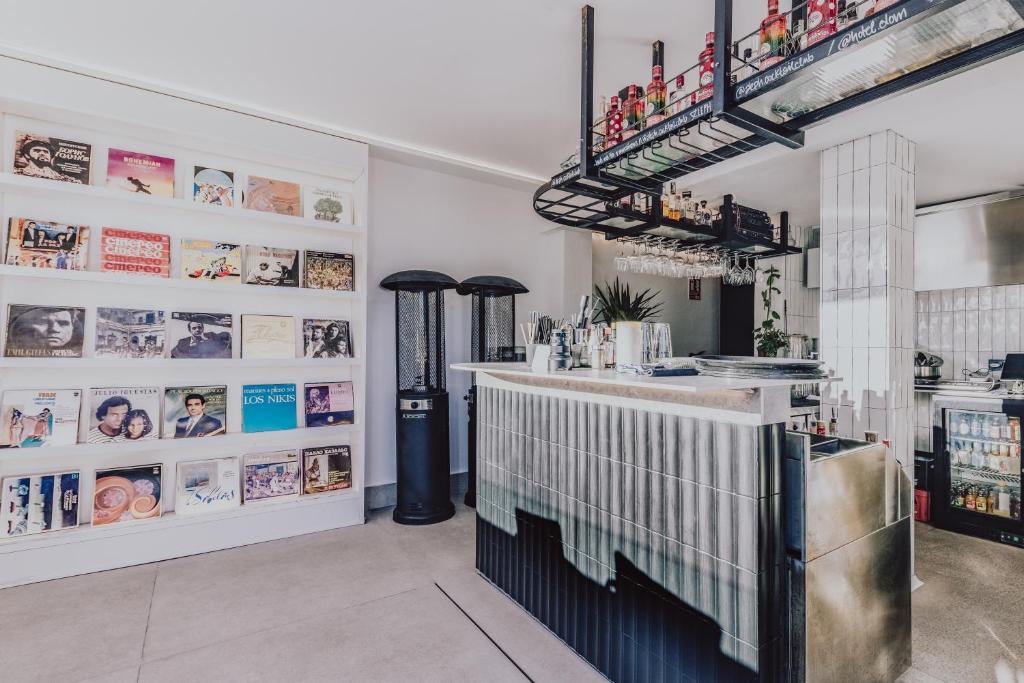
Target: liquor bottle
[(879, 6), (969, 499), (749, 65), (981, 500), (676, 99), (631, 121), (958, 498), (674, 212), (822, 16), (666, 199), (601, 125), (614, 135), (706, 70), (657, 96), (772, 36)]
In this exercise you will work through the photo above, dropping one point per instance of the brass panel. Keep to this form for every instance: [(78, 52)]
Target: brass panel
[(858, 609)]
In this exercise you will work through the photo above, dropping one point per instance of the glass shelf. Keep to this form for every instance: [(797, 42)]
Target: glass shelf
[(978, 474), (873, 55)]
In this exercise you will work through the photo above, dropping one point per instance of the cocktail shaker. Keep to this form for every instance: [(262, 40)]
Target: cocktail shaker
[(560, 356)]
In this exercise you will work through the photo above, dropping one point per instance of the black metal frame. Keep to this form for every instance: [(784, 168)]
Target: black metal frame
[(591, 190)]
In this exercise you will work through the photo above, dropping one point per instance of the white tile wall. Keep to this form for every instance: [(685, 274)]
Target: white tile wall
[(869, 318), (968, 338)]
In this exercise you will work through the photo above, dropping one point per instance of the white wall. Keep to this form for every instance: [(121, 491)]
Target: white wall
[(803, 304), (427, 216), (694, 323)]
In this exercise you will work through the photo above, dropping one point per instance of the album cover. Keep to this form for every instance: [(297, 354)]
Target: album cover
[(129, 333), (324, 204), (32, 504), (207, 486), (38, 418), (205, 260), (271, 475), (200, 335), (329, 403), (46, 244), (44, 331), (326, 468), (268, 407), (325, 270), (326, 339), (213, 186), (131, 251), (195, 412), (119, 414), (140, 173), (268, 336), (127, 494), (275, 196), (52, 158), (271, 266)]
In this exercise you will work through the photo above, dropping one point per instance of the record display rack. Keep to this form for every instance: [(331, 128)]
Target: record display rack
[(904, 46), (36, 100)]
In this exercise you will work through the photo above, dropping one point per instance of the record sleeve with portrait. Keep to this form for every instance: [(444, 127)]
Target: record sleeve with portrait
[(124, 414), (195, 412), (47, 244), (322, 338), (326, 468), (52, 158), (268, 336), (329, 403), (275, 196), (140, 173), (131, 251), (271, 266), (213, 186), (129, 333), (206, 260), (44, 331), (327, 270), (207, 486), (200, 335), (269, 476), (32, 418), (127, 494), (35, 503)]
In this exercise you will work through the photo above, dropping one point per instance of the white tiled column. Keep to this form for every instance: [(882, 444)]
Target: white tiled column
[(868, 315)]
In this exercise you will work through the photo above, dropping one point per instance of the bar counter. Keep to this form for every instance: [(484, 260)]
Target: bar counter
[(642, 521)]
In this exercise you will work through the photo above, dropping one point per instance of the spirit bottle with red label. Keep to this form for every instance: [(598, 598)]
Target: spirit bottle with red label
[(632, 110), (657, 93), (821, 19), (773, 36), (706, 70), (614, 135)]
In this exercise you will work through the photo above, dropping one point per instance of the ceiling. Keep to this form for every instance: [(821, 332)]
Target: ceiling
[(497, 84)]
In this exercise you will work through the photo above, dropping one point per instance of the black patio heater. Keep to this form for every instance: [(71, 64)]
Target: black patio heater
[(493, 340), (424, 485)]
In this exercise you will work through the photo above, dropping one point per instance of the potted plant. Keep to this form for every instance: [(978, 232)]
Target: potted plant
[(625, 311), (768, 339), (616, 303)]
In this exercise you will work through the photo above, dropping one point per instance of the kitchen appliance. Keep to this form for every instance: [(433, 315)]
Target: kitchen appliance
[(560, 355), (422, 453), (977, 454), (1012, 375), (799, 347), (492, 340), (927, 367)]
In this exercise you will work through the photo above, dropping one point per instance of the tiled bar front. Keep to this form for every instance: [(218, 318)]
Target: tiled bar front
[(646, 540)]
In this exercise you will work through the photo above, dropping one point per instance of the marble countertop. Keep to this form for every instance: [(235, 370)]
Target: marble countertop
[(686, 384)]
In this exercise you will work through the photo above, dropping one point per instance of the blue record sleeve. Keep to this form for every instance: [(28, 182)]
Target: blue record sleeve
[(268, 407)]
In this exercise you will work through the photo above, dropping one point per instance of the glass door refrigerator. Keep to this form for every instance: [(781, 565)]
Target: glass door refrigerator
[(978, 467)]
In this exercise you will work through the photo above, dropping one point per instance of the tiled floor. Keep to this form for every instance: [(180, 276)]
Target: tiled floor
[(383, 602)]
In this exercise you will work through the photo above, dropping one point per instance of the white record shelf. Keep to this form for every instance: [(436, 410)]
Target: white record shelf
[(40, 101)]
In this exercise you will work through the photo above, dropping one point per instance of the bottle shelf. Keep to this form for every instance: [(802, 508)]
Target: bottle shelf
[(72, 277), (906, 45), (12, 183), (978, 439), (984, 514), (984, 475)]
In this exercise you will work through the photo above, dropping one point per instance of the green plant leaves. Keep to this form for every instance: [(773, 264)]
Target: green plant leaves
[(617, 303)]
